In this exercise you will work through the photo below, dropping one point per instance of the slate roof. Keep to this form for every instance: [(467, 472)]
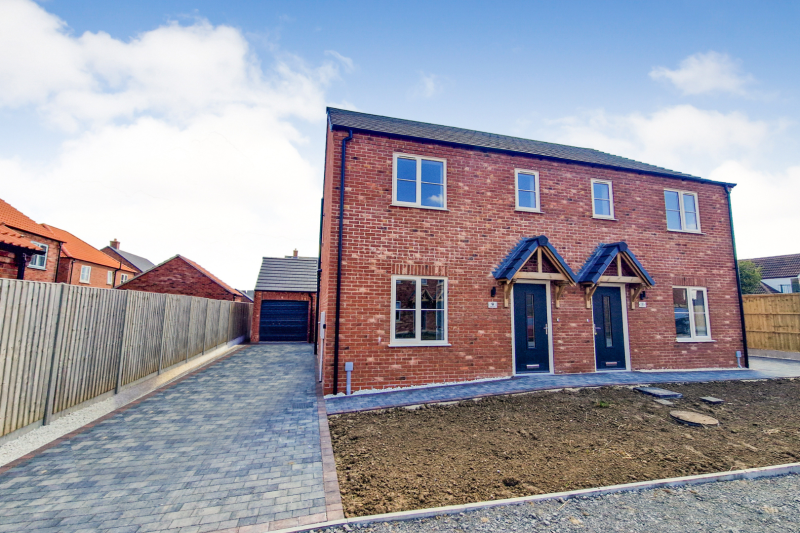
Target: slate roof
[(763, 288), (75, 248), (519, 255), (779, 266), (288, 274), (343, 119), (139, 262), (602, 256)]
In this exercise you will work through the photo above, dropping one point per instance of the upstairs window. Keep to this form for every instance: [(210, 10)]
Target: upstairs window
[(419, 314), (682, 212), (86, 274), (527, 190), (420, 182), (602, 199), (110, 278), (39, 261), (690, 305), (123, 278)]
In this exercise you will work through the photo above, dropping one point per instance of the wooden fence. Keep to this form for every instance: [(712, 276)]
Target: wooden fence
[(61, 345), (773, 321)]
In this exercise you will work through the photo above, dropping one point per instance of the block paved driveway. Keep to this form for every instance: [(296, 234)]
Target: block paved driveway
[(233, 445)]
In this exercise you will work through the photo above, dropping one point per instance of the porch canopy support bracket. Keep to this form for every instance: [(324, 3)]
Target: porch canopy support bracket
[(628, 271), (510, 270)]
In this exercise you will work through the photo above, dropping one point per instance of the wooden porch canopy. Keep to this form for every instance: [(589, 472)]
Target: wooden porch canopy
[(613, 263), (534, 258)]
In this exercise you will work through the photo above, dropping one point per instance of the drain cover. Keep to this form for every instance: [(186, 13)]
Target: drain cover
[(690, 418), (302, 405)]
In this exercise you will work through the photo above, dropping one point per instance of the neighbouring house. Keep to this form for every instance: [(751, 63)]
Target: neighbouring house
[(135, 262), (27, 250), (467, 255), (83, 264), (180, 275), (248, 294), (285, 299), (781, 273)]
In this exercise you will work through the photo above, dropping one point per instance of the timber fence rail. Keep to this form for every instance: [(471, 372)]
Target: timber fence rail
[(772, 321), (62, 345)]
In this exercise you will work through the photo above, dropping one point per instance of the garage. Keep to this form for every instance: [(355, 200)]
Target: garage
[(284, 321)]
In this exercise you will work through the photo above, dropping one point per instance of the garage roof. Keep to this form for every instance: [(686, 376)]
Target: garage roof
[(288, 274)]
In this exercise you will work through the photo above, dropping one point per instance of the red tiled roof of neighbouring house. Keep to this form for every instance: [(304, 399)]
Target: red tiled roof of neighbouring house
[(778, 266), (9, 236), (14, 218), (191, 263), (75, 248)]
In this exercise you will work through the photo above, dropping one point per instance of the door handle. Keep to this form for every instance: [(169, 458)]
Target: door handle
[(545, 329)]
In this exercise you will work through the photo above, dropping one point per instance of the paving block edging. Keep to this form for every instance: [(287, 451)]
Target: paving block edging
[(749, 473)]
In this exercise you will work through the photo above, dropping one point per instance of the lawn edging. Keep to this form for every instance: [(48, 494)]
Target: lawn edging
[(749, 473)]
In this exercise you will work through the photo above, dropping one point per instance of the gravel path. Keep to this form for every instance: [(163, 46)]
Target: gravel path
[(768, 504)]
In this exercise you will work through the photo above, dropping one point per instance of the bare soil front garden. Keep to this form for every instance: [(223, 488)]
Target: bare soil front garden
[(507, 446)]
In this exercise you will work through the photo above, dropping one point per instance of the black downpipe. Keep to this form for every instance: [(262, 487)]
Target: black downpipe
[(738, 279), (339, 268), (319, 275)]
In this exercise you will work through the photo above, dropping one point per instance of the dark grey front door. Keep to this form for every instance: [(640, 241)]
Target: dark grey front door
[(531, 330), (609, 335)]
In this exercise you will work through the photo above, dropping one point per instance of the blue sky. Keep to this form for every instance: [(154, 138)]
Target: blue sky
[(198, 127)]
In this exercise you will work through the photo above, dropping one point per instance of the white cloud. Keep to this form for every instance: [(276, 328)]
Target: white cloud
[(177, 141), (706, 73), (428, 86), (682, 137), (349, 66)]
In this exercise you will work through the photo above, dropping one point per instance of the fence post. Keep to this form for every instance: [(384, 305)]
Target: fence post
[(121, 358), (54, 360)]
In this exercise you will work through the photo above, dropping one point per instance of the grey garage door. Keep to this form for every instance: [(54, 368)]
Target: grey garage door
[(283, 321)]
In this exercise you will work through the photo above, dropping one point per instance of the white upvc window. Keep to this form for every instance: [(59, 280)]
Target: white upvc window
[(602, 199), (527, 190), (419, 181), (110, 278), (682, 211), (690, 306), (39, 261), (419, 311), (123, 278), (86, 274)]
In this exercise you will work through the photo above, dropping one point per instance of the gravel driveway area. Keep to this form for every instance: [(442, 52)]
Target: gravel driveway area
[(767, 504)]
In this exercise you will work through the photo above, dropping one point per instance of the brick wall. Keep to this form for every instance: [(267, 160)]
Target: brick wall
[(479, 229), (179, 277), (69, 271), (8, 261), (272, 295)]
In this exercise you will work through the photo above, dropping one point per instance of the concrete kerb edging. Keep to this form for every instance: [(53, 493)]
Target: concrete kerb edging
[(750, 473)]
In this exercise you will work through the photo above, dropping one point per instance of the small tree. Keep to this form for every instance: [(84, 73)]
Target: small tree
[(750, 275)]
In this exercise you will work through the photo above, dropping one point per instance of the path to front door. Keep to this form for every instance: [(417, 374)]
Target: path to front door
[(234, 445)]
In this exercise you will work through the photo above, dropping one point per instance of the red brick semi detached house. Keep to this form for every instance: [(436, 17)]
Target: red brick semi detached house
[(469, 255)]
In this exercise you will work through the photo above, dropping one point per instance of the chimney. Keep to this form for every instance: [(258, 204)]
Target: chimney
[(115, 244), (295, 253)]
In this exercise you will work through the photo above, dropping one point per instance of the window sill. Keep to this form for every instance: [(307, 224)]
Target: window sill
[(695, 340), (528, 210), (685, 231), (36, 268), (395, 204), (604, 218), (418, 345)]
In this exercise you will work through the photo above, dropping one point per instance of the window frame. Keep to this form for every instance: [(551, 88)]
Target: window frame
[(692, 328), (88, 270), (110, 278), (46, 252), (417, 341), (610, 200), (681, 193), (123, 278), (535, 174), (418, 203)]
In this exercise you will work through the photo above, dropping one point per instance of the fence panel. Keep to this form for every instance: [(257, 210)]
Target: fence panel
[(61, 345), (772, 321)]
